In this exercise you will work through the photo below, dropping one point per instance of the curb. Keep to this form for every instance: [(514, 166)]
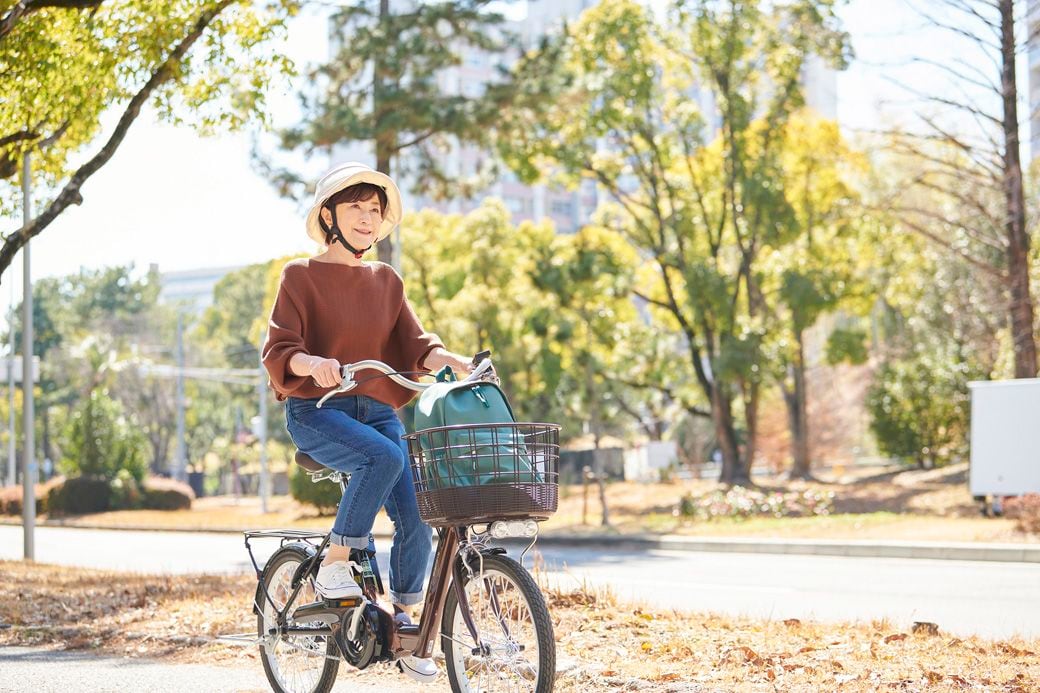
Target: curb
[(849, 548)]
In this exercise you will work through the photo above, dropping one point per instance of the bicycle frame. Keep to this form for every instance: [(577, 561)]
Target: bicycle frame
[(417, 640)]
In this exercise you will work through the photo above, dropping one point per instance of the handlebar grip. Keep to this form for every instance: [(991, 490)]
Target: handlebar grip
[(481, 356)]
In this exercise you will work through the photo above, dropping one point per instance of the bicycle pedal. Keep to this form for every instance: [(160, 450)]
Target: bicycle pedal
[(348, 603), (408, 629)]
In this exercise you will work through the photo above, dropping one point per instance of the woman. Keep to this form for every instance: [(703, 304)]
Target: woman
[(333, 309)]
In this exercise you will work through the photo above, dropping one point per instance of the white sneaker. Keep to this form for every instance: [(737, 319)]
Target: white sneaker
[(336, 581), (421, 670)]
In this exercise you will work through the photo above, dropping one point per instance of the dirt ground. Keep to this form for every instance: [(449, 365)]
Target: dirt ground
[(869, 503), (601, 645)]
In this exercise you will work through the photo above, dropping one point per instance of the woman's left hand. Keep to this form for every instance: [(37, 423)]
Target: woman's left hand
[(440, 357)]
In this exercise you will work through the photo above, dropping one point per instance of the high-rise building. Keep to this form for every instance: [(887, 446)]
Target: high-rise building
[(567, 209)]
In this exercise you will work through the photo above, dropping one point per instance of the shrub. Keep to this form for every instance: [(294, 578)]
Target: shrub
[(79, 496), (919, 408), (99, 441), (166, 494), (741, 502), (1025, 510), (126, 492), (324, 495), (11, 497)]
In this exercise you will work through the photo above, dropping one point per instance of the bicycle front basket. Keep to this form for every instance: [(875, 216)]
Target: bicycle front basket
[(484, 472)]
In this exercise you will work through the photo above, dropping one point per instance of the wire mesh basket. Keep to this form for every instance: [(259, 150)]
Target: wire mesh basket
[(484, 472)]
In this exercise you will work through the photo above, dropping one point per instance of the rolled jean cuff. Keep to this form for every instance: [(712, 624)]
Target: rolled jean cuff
[(406, 598), (351, 542)]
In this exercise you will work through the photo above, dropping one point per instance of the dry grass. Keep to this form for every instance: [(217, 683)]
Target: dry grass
[(612, 647), (869, 504)]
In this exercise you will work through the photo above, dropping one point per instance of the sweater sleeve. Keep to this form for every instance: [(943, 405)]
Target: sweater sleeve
[(409, 343), (284, 340)]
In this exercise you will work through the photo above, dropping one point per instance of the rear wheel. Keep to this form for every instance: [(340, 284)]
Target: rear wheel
[(519, 652), (293, 663)]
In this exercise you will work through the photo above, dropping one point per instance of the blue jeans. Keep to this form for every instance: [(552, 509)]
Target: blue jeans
[(362, 436)]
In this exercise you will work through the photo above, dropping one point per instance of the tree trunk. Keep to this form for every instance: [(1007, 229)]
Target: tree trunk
[(798, 414), (1021, 303), (384, 148), (733, 470), (751, 417)]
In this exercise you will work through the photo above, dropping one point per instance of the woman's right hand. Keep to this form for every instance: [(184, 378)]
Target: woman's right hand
[(326, 372)]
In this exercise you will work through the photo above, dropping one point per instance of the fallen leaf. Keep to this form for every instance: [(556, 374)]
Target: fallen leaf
[(670, 676), (806, 649), (792, 622), (933, 676), (894, 637)]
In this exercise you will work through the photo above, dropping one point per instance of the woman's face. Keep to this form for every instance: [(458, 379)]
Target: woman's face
[(358, 221)]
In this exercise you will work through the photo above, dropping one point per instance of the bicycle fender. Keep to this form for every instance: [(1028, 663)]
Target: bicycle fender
[(307, 552)]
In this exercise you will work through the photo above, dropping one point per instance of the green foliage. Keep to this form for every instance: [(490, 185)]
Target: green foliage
[(324, 495), (701, 204), (847, 345), (382, 86), (99, 441), (60, 69), (919, 407)]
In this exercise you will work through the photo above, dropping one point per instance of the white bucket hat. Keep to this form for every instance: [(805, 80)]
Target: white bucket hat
[(343, 176)]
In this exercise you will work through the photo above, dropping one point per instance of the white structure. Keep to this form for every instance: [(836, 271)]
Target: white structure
[(645, 462), (192, 289), (1005, 438)]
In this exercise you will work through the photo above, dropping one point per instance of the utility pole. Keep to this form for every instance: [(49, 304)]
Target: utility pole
[(12, 452), (261, 433), (28, 461), (180, 461)]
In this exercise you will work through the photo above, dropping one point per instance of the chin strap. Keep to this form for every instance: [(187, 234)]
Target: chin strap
[(338, 236)]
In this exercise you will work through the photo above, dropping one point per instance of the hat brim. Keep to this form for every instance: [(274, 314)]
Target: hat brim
[(391, 217)]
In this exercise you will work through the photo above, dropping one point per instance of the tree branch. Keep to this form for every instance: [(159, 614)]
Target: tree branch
[(26, 7), (70, 194)]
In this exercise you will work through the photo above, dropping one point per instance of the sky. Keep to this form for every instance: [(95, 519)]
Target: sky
[(182, 201)]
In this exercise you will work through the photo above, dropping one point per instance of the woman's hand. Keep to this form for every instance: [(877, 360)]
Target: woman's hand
[(326, 372), (439, 358)]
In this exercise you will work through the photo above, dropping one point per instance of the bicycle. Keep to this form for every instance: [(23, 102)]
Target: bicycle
[(494, 624)]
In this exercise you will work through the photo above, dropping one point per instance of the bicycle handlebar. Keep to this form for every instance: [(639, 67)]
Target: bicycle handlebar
[(348, 371)]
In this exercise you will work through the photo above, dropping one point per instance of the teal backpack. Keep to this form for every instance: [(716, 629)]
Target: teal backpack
[(473, 455)]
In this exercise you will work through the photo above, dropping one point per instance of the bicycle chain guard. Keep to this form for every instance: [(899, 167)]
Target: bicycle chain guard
[(377, 629)]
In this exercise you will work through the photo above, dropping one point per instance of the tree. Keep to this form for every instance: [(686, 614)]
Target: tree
[(970, 159), (814, 272), (61, 69), (700, 204), (383, 87)]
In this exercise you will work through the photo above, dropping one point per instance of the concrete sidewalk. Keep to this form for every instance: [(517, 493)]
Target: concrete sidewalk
[(957, 551)]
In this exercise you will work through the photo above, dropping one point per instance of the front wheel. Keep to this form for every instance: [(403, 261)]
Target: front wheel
[(512, 620), (298, 663)]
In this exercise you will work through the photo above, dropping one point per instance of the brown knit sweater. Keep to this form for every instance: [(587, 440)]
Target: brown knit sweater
[(346, 313)]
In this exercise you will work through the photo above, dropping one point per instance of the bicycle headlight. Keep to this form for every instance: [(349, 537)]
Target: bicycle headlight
[(513, 528)]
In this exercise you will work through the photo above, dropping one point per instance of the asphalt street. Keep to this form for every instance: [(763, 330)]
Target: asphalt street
[(39, 670), (963, 597)]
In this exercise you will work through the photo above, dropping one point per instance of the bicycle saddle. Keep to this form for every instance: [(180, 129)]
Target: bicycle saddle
[(308, 462)]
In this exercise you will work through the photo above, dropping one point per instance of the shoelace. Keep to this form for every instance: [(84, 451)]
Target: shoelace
[(343, 571)]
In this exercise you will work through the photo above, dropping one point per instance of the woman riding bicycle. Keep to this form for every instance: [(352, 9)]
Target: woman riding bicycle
[(333, 309)]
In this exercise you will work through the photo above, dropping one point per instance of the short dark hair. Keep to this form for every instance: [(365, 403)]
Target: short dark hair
[(355, 193)]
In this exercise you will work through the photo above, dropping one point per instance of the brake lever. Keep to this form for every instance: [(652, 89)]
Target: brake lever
[(346, 385)]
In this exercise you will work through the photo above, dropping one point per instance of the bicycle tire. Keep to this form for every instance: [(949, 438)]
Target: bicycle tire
[(284, 562), (510, 583)]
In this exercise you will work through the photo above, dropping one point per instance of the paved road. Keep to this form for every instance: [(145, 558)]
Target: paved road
[(38, 670), (963, 597)]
